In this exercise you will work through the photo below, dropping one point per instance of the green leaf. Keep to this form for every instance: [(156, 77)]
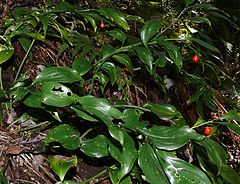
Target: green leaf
[(232, 115), (81, 65), (3, 179), (63, 6), (171, 138), (66, 135), (205, 44), (151, 166), (172, 51), (84, 115), (113, 172), (229, 174), (124, 59), (102, 78), (163, 111), (188, 2), (231, 126), (60, 165), (114, 131), (125, 155), (116, 16), (20, 93), (161, 61), (150, 28), (215, 152), (131, 120), (146, 57), (99, 107), (197, 94), (92, 22), (199, 122), (25, 43), (2, 93), (201, 20), (58, 74), (117, 34), (96, 147), (34, 100), (180, 171), (6, 53), (111, 70), (55, 94)]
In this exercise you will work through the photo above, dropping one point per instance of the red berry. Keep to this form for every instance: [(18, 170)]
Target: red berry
[(195, 59), (167, 120), (126, 69), (102, 25), (207, 131)]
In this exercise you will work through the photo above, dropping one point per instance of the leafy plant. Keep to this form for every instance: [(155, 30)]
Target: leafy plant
[(136, 143)]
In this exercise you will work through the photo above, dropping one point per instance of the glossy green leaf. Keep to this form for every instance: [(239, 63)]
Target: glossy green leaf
[(115, 131), (163, 111), (92, 22), (135, 18), (69, 182), (113, 172), (55, 94), (161, 61), (215, 152), (229, 174), (20, 93), (150, 165), (180, 171), (117, 34), (124, 59), (116, 16), (6, 53), (171, 138), (131, 120), (25, 43), (107, 51), (111, 70), (2, 93), (125, 155), (66, 135), (60, 165), (146, 57), (3, 179), (84, 115), (150, 28), (199, 122), (231, 126), (172, 51), (81, 65), (96, 147), (232, 115), (99, 107), (205, 44), (102, 78), (34, 100), (201, 20), (58, 74)]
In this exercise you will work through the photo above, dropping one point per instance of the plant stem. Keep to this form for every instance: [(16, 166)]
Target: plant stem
[(94, 177), (132, 106), (173, 22), (24, 60)]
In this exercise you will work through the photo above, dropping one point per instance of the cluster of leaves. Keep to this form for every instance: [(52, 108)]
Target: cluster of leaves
[(137, 145)]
